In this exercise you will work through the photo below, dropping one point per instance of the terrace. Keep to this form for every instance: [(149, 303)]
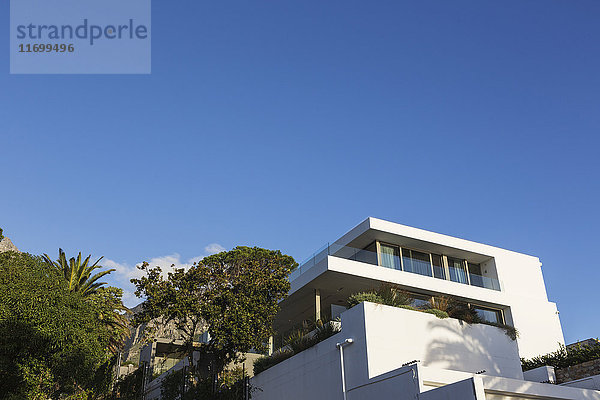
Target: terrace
[(380, 254)]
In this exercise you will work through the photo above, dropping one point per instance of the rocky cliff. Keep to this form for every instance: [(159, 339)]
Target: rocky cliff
[(7, 245)]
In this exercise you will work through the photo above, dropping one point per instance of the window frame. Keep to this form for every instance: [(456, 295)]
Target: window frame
[(419, 251), (398, 247)]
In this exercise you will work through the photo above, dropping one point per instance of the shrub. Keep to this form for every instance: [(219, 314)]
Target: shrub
[(563, 358), (441, 303), (327, 330), (409, 308), (462, 311), (393, 295), (298, 341), (358, 298), (438, 313), (510, 331), (266, 362)]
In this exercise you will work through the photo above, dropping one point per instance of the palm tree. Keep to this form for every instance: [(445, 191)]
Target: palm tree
[(110, 311), (78, 274)]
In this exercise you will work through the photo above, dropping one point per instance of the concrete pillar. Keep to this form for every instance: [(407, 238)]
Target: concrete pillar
[(270, 350), (317, 304)]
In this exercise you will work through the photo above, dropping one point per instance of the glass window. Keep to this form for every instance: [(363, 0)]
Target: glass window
[(490, 315), (475, 276), (456, 269), (419, 301), (416, 262), (390, 256), (438, 267)]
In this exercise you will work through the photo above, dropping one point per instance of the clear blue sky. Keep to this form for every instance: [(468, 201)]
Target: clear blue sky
[(283, 124)]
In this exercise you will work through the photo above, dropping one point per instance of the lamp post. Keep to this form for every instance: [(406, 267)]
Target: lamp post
[(341, 347)]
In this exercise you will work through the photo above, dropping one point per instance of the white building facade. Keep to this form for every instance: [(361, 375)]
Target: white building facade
[(402, 354)]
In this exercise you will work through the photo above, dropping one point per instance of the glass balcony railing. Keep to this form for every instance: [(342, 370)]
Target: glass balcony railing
[(386, 261), (484, 281)]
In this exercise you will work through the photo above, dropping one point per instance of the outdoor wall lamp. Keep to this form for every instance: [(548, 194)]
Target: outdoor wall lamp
[(341, 347)]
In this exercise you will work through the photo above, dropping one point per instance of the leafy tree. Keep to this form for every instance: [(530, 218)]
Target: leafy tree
[(234, 295), (110, 312), (1, 236), (51, 345), (78, 274), (130, 387), (106, 301)]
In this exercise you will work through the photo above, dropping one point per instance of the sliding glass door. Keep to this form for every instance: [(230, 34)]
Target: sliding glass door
[(416, 262), (389, 256), (456, 270)]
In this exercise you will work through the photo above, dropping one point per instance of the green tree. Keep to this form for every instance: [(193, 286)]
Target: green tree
[(111, 313), (130, 387), (51, 345), (106, 301), (79, 274), (234, 295)]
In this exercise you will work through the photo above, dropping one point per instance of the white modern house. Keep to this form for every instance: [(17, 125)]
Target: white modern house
[(385, 352)]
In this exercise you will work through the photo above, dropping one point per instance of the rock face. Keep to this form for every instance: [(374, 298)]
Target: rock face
[(7, 245)]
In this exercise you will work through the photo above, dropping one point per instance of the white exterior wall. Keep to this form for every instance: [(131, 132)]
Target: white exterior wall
[(396, 336)]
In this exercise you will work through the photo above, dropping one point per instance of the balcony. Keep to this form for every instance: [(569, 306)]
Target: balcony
[(411, 261)]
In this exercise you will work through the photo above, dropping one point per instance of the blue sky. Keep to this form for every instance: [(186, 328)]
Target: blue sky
[(284, 124)]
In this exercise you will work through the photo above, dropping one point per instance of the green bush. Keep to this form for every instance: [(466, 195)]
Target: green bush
[(297, 341), (266, 362), (393, 295), (358, 298), (464, 312), (409, 308), (563, 358), (510, 331), (438, 313)]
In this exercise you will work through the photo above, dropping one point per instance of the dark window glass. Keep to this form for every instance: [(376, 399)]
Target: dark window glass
[(475, 276), (419, 300), (489, 315)]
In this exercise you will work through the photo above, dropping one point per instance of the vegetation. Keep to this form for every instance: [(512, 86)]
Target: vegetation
[(230, 385), (388, 294), (440, 306), (266, 362), (298, 341), (79, 274), (563, 358), (438, 313), (358, 298), (51, 344), (129, 387), (233, 295), (393, 295)]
